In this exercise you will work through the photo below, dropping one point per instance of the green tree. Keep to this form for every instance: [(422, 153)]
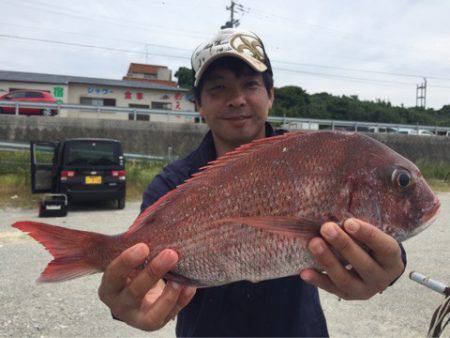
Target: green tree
[(185, 77), (290, 101)]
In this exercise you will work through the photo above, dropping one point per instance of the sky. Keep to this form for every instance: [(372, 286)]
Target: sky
[(377, 50)]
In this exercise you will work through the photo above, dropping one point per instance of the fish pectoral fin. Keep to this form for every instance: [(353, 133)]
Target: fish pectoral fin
[(282, 225)]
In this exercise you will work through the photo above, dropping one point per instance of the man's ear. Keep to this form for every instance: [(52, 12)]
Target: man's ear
[(198, 107)]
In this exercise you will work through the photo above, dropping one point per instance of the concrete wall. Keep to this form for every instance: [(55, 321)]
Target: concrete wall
[(435, 149), (154, 138)]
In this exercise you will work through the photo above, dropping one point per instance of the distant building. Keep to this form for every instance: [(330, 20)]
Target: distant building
[(150, 73), (144, 86)]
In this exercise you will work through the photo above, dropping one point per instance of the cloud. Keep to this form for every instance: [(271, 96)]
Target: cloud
[(317, 39)]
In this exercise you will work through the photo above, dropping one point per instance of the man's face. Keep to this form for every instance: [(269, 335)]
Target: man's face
[(235, 107)]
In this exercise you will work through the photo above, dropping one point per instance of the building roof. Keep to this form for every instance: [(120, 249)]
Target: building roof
[(161, 82), (144, 68), (66, 79)]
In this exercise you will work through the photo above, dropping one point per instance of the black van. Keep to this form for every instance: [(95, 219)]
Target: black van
[(77, 170)]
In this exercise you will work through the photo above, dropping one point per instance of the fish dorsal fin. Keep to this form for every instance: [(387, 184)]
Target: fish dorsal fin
[(249, 148), (281, 225), (210, 168)]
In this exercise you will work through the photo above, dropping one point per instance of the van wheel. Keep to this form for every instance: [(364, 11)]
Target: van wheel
[(121, 203)]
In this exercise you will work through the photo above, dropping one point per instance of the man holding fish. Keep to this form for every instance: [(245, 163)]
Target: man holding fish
[(234, 93)]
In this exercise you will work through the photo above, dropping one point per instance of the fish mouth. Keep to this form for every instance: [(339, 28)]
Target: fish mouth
[(430, 212), (430, 215)]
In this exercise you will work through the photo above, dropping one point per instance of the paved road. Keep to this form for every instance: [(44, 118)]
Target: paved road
[(72, 309)]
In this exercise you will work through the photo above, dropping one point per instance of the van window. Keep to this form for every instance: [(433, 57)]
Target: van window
[(91, 153)]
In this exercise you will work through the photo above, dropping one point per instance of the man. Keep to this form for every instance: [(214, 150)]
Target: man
[(234, 93)]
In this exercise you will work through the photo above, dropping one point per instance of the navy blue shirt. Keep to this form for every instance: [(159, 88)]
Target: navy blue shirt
[(280, 307)]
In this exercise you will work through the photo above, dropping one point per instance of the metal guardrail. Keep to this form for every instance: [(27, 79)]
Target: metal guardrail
[(294, 123), (14, 146)]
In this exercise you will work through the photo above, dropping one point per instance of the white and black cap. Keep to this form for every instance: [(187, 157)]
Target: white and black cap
[(233, 42)]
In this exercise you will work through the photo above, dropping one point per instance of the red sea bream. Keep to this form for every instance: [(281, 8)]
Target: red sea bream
[(250, 214)]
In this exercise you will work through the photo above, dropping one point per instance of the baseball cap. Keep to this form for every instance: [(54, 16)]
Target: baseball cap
[(242, 44)]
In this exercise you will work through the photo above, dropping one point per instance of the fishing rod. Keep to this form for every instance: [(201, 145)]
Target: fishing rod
[(437, 324)]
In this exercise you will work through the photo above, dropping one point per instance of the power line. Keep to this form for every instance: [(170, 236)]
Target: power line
[(97, 37), (113, 49), (361, 70), (38, 3), (343, 34), (359, 79), (49, 9), (273, 61)]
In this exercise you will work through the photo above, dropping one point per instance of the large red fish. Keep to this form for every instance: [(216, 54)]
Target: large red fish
[(250, 214)]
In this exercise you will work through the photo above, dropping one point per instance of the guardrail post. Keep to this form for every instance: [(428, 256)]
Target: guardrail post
[(332, 125), (134, 115), (98, 112), (356, 127), (169, 153), (17, 109)]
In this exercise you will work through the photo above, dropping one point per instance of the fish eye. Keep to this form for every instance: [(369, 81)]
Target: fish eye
[(401, 178)]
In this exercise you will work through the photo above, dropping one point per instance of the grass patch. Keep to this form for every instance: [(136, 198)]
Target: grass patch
[(436, 171), (436, 174), (15, 179), (139, 175)]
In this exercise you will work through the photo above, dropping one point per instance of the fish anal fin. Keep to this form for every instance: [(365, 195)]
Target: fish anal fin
[(281, 225)]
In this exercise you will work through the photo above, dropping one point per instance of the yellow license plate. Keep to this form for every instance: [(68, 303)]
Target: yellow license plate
[(93, 180)]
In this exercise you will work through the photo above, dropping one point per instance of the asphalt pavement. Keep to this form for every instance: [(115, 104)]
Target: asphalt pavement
[(72, 308)]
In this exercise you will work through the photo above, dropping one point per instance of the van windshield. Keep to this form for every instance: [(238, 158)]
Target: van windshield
[(88, 153)]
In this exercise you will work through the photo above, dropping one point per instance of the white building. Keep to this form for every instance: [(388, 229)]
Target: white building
[(139, 89)]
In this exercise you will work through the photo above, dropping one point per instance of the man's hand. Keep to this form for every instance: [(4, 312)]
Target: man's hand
[(142, 299), (369, 274)]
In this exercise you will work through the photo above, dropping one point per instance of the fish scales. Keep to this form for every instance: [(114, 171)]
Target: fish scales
[(250, 214)]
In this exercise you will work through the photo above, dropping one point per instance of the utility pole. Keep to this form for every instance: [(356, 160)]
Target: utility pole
[(421, 94), (234, 6)]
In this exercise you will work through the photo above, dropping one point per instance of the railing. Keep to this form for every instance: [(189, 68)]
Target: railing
[(288, 122), (14, 146)]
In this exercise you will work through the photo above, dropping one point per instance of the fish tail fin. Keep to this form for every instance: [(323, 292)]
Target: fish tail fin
[(75, 252)]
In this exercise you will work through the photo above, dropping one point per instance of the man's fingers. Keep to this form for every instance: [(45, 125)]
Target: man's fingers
[(321, 281), (115, 276), (385, 248), (366, 267), (158, 313), (186, 296), (340, 276), (148, 277)]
